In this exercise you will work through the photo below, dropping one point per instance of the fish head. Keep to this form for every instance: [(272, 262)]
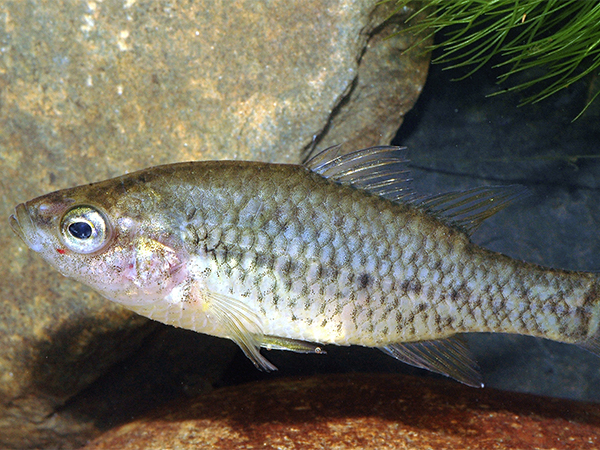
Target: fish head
[(94, 238)]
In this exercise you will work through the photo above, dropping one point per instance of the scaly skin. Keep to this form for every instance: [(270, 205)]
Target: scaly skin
[(305, 258)]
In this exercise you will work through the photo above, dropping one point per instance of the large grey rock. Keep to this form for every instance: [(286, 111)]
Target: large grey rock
[(89, 90)]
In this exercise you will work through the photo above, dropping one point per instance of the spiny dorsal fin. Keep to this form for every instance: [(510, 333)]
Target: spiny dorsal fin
[(448, 357), (383, 171), (379, 170)]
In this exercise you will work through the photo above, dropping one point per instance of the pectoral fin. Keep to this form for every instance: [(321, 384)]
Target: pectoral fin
[(242, 326), (449, 357)]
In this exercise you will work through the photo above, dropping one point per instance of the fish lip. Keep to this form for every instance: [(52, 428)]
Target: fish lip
[(23, 226)]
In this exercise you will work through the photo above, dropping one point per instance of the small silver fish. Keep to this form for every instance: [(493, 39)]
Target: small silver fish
[(336, 251)]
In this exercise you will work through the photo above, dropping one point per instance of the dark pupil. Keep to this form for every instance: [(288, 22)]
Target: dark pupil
[(80, 230)]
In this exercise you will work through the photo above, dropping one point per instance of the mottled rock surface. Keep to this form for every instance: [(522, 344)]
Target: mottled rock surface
[(357, 411), (92, 89)]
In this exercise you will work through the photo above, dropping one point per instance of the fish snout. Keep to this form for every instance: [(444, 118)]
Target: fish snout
[(23, 226)]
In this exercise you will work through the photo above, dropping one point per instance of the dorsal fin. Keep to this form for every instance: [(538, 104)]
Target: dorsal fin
[(379, 170), (469, 208), (383, 171)]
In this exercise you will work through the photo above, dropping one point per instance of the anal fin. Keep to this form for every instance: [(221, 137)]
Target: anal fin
[(449, 357), (592, 343)]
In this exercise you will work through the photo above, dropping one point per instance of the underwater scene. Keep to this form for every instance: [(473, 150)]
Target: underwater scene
[(539, 146), (322, 295)]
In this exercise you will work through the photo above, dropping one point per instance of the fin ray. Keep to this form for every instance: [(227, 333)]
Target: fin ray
[(380, 170), (383, 171), (592, 343), (449, 357), (243, 327), (294, 345), (469, 208)]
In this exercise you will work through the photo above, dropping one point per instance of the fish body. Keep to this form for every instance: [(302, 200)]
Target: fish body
[(335, 251)]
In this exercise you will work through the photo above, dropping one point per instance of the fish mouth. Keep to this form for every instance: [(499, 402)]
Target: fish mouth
[(23, 226)]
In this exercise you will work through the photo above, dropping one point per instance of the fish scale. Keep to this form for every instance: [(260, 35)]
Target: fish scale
[(338, 251), (421, 260)]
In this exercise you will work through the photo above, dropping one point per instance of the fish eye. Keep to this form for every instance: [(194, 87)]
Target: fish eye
[(84, 229)]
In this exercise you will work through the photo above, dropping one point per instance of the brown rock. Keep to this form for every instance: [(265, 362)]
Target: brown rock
[(89, 90), (370, 114), (362, 411)]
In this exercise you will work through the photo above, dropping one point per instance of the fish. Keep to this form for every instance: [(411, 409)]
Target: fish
[(337, 250)]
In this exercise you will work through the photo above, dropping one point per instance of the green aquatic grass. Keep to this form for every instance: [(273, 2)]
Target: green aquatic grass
[(561, 35)]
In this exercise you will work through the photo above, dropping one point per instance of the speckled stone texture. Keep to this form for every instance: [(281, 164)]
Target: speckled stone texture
[(93, 89), (357, 411)]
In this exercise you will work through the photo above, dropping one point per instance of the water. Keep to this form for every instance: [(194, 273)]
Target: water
[(459, 138)]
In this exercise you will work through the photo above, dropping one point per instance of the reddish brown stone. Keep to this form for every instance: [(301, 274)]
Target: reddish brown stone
[(362, 411)]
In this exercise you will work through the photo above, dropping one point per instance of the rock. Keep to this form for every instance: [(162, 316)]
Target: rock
[(355, 411), (362, 121), (90, 90)]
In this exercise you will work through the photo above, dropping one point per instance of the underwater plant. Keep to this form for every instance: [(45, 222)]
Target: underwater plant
[(563, 36)]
